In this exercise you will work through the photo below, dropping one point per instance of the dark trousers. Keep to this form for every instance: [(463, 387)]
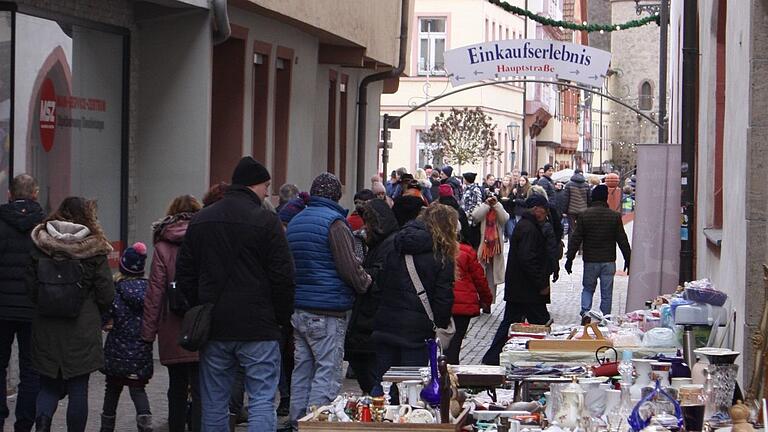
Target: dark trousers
[(29, 383), (366, 372), (390, 355), (76, 389), (535, 313), (453, 351), (112, 397), (183, 378)]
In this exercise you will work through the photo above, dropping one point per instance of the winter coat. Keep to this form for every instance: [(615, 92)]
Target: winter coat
[(235, 255), (426, 190), (501, 220), (401, 319), (70, 347), (471, 287), (527, 274), (381, 242), (548, 186), (126, 355), (463, 221), (318, 283), (17, 219), (472, 197), (577, 195), (158, 319), (434, 189), (598, 231), (554, 251)]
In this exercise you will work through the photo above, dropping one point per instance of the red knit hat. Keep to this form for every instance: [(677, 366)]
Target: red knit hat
[(445, 190)]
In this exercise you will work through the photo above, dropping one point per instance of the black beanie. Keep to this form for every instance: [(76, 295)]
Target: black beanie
[(600, 193), (407, 208), (249, 172), (470, 177)]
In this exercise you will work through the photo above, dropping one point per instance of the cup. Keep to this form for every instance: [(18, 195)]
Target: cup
[(413, 389), (392, 413), (693, 417)]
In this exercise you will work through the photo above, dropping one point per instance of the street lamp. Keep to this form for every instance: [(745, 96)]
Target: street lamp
[(512, 129), (588, 157)]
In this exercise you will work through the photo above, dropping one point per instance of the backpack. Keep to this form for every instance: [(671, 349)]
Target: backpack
[(59, 288)]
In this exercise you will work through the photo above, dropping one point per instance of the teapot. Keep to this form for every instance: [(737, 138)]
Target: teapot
[(571, 412)]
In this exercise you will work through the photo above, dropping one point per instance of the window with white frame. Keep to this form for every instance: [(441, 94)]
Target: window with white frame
[(425, 155), (431, 46)]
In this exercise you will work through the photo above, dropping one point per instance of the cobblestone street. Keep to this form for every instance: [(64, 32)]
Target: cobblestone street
[(564, 309)]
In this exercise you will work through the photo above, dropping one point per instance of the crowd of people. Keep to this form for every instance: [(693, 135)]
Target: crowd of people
[(294, 290)]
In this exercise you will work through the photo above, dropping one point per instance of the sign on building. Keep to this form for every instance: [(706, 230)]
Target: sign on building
[(527, 57)]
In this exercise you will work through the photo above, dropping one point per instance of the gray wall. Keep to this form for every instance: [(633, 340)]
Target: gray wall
[(172, 141)]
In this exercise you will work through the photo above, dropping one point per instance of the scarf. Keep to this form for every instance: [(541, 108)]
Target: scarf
[(491, 245)]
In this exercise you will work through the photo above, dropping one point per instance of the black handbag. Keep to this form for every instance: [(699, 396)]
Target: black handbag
[(196, 327)]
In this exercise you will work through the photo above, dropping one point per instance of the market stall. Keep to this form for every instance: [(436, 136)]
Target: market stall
[(620, 373)]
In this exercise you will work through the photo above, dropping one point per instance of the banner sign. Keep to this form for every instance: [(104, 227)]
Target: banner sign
[(527, 57)]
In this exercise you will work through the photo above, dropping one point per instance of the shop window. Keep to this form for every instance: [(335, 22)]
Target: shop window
[(432, 46), (717, 216), (343, 132), (645, 101), (331, 162), (283, 66), (6, 103), (70, 121), (261, 58)]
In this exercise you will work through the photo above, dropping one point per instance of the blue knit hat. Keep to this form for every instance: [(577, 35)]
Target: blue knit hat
[(133, 259)]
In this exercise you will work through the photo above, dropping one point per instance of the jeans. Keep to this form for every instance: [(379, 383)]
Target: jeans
[(318, 358), (605, 272), (112, 397), (535, 313), (53, 389), (391, 355), (183, 379), (453, 350), (29, 383), (218, 361)]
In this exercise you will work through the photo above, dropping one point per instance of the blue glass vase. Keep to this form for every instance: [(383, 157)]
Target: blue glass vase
[(431, 391)]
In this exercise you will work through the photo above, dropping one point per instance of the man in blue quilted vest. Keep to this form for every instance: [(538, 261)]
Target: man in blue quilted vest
[(327, 277)]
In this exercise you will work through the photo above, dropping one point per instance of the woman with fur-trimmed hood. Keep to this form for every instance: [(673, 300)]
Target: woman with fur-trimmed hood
[(65, 350)]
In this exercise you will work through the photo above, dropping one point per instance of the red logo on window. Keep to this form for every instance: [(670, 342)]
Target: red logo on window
[(47, 114)]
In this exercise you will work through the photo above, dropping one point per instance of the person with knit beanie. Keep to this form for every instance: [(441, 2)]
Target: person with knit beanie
[(235, 256), (598, 230), (446, 177), (328, 278), (127, 357)]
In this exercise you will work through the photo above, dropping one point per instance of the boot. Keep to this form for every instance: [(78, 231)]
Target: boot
[(107, 423), (43, 424), (144, 422)]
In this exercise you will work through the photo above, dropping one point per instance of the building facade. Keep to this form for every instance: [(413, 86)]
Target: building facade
[(730, 232), (634, 79), (133, 103), (438, 26)]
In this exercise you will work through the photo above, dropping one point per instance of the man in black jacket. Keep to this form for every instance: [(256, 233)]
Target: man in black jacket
[(546, 182), (527, 279), (235, 255), (599, 229), (17, 218)]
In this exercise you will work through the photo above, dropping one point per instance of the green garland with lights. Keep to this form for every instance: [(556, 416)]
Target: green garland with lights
[(575, 26)]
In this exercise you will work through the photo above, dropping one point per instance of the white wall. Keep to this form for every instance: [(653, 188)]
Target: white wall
[(174, 115)]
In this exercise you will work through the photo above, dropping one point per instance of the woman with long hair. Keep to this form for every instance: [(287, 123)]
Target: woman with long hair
[(431, 241), (523, 185), (66, 330), (159, 318)]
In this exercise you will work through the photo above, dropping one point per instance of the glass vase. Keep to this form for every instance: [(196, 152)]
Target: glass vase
[(431, 391)]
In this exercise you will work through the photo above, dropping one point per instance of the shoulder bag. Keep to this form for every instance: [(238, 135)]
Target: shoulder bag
[(444, 335)]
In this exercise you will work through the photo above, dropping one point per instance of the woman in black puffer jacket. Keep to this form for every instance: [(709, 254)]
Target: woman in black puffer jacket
[(401, 325)]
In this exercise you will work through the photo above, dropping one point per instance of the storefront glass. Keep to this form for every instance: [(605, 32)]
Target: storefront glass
[(6, 41), (69, 113)]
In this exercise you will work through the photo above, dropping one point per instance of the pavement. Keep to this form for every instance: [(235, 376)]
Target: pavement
[(564, 309)]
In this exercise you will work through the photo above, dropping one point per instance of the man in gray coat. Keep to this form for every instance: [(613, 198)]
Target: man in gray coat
[(576, 197)]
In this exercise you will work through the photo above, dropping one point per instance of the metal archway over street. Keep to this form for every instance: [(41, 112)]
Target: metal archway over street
[(564, 84)]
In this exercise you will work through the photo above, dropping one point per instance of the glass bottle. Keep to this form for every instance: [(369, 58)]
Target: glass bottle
[(618, 417), (431, 391)]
